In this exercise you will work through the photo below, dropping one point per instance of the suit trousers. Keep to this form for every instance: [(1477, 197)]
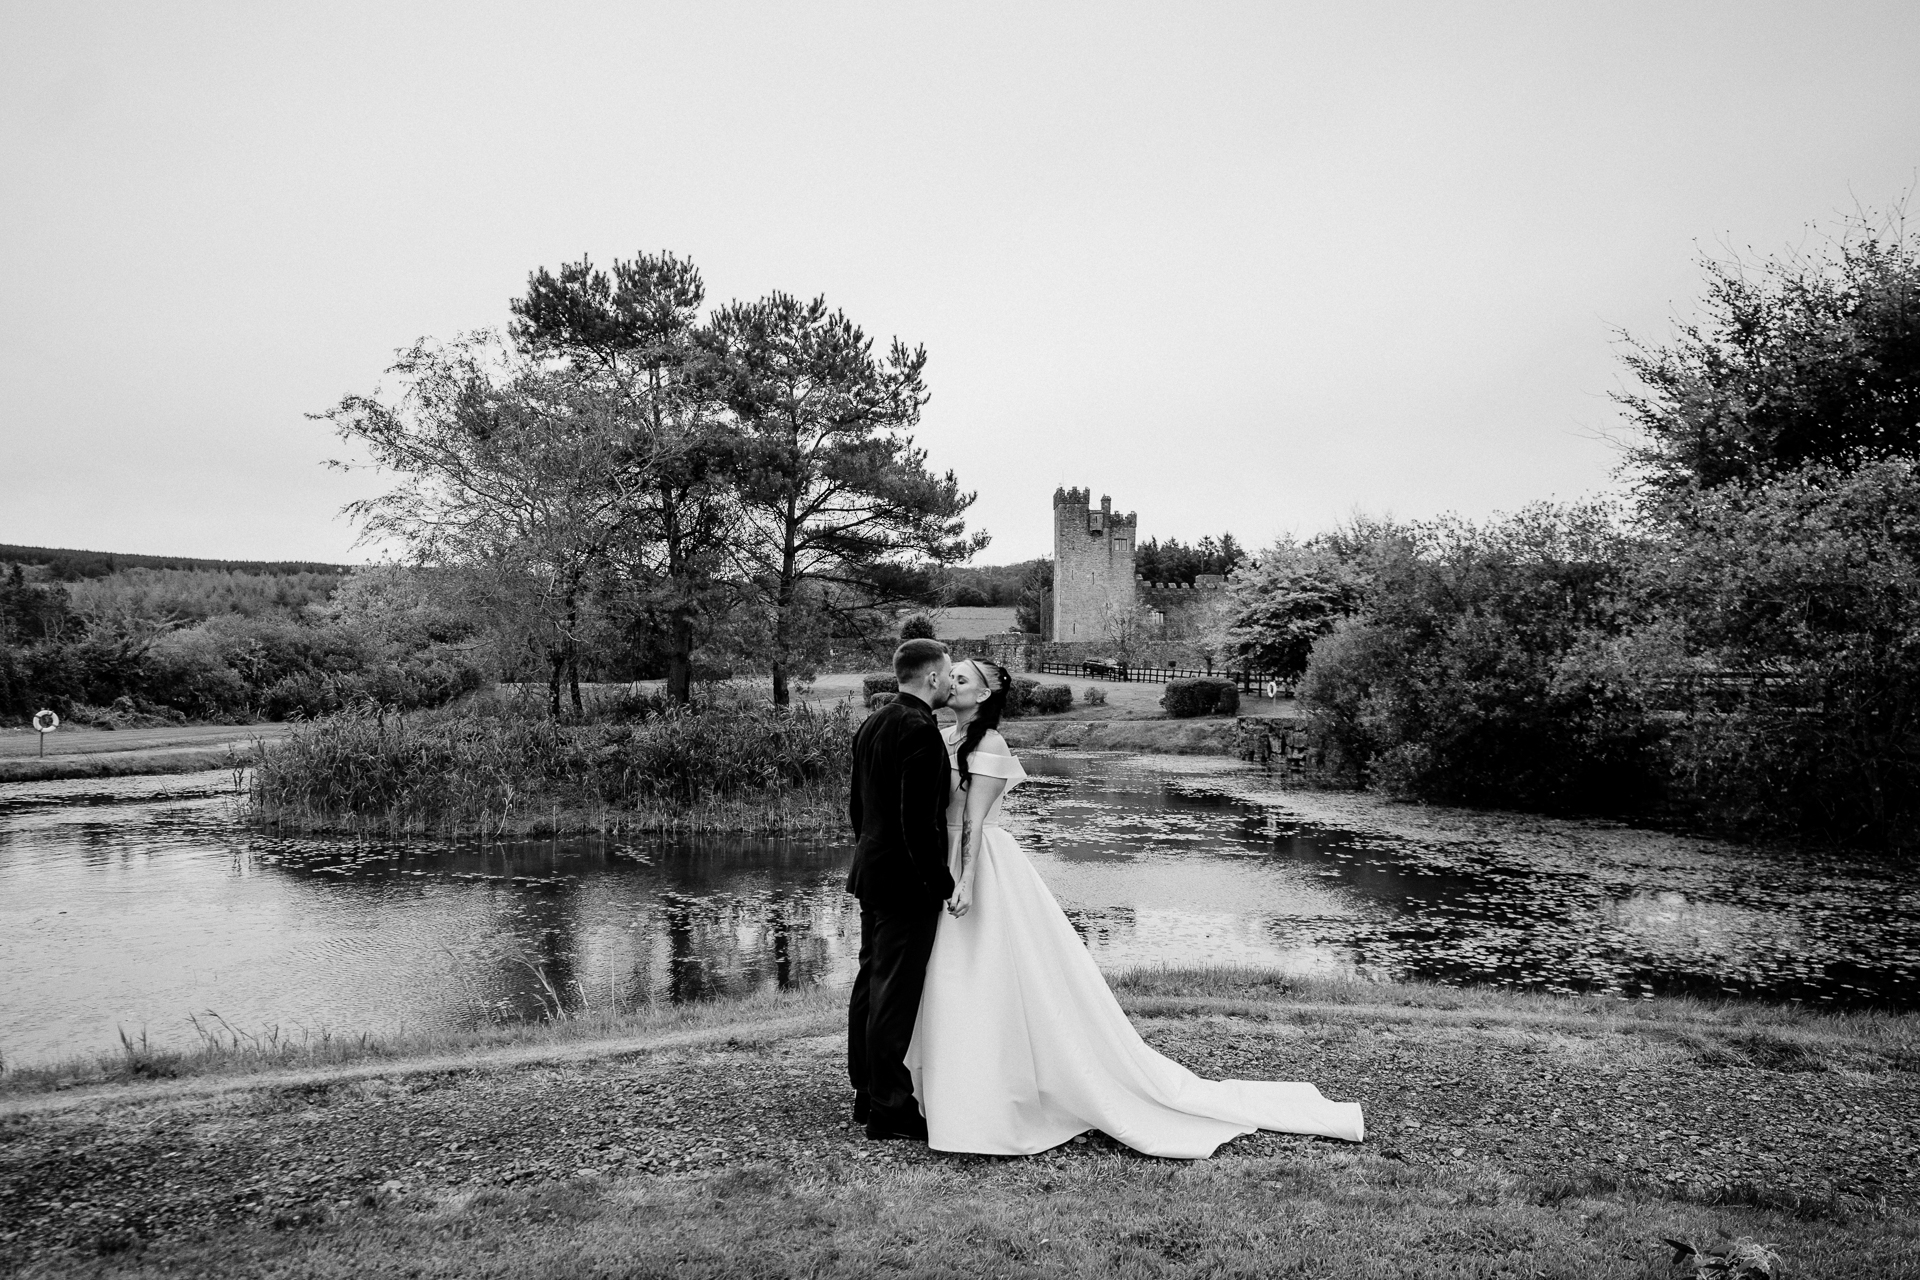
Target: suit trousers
[(895, 943)]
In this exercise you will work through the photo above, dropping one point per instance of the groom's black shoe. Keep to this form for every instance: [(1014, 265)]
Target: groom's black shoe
[(862, 1108), (896, 1124)]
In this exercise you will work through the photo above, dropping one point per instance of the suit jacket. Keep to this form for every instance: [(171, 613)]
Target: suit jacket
[(899, 809)]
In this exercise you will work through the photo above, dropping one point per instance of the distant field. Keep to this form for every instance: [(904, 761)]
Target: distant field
[(974, 623)]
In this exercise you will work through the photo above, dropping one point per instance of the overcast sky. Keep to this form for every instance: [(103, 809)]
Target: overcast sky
[(1247, 267)]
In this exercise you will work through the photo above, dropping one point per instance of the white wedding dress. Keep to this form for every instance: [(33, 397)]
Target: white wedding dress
[(1019, 1045)]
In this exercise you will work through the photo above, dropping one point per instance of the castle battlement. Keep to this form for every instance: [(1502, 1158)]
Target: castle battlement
[(1094, 585)]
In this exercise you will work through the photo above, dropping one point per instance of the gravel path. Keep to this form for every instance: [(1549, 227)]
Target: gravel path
[(1556, 1106)]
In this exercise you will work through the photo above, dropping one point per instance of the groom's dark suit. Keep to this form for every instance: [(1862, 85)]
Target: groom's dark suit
[(899, 813)]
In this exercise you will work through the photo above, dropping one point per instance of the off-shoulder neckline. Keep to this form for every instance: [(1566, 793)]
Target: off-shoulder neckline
[(953, 729)]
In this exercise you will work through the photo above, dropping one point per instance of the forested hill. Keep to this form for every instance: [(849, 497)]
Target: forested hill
[(69, 565)]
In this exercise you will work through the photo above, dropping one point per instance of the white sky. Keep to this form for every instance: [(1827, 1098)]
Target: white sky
[(1244, 267)]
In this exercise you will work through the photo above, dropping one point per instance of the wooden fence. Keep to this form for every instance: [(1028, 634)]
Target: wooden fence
[(1248, 682)]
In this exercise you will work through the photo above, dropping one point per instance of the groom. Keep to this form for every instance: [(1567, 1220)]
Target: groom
[(899, 812)]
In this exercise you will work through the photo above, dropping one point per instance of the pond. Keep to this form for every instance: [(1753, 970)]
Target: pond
[(146, 904)]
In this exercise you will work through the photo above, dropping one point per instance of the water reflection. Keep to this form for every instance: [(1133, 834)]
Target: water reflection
[(135, 903)]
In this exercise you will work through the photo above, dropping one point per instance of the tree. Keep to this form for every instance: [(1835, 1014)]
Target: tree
[(833, 492), (1812, 580), (636, 330), (1800, 359), (528, 477), (31, 611), (1174, 561), (1033, 613), (1129, 630), (1491, 664), (1278, 608)]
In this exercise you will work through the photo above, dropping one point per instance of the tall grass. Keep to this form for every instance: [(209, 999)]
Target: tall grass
[(489, 767), (222, 1049)]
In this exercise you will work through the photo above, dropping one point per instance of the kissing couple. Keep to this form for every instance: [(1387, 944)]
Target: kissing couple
[(979, 1022)]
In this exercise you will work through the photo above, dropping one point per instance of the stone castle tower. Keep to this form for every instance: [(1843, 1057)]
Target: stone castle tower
[(1092, 565)]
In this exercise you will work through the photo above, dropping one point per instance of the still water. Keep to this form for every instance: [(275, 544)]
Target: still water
[(147, 904)]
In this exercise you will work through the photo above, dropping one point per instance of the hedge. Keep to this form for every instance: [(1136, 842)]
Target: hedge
[(881, 699), (870, 685), (1051, 699), (1203, 696), (1020, 696)]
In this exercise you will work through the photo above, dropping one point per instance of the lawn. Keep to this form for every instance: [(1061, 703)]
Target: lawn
[(1509, 1135)]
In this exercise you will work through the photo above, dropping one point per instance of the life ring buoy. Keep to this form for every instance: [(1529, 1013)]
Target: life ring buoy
[(45, 722)]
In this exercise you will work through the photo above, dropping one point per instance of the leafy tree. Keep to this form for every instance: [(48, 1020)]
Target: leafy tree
[(1799, 359), (30, 610), (1490, 665), (918, 627), (1813, 581), (636, 330), (832, 489), (1278, 608), (527, 477)]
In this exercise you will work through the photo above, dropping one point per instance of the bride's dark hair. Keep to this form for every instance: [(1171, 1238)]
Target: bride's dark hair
[(986, 715)]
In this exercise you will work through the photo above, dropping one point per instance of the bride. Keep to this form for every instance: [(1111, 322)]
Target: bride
[(1019, 1044)]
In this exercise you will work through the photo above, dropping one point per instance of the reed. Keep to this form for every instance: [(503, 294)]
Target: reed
[(486, 768)]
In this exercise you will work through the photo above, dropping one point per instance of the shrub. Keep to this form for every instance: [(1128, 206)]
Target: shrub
[(1051, 699), (878, 700), (1095, 696), (870, 685), (918, 627), (1228, 703), (1020, 695), (1201, 696)]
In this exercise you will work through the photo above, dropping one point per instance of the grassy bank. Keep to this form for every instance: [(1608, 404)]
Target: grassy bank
[(492, 768), (1508, 1135), (1156, 737)]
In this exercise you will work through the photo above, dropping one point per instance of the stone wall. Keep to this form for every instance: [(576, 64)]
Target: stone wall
[(1014, 650), (1285, 746), (1175, 597)]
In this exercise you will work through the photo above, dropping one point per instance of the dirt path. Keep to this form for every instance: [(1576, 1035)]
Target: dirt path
[(1571, 1103)]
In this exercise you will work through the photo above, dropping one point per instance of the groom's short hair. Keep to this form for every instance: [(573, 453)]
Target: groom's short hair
[(911, 659)]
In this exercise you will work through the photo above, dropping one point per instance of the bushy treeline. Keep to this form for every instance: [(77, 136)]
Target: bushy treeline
[(999, 586), (494, 766), (65, 564), (194, 595), (1738, 648), (152, 645), (1175, 561)]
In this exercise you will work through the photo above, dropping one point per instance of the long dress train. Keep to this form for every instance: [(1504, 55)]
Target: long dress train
[(1019, 1045)]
